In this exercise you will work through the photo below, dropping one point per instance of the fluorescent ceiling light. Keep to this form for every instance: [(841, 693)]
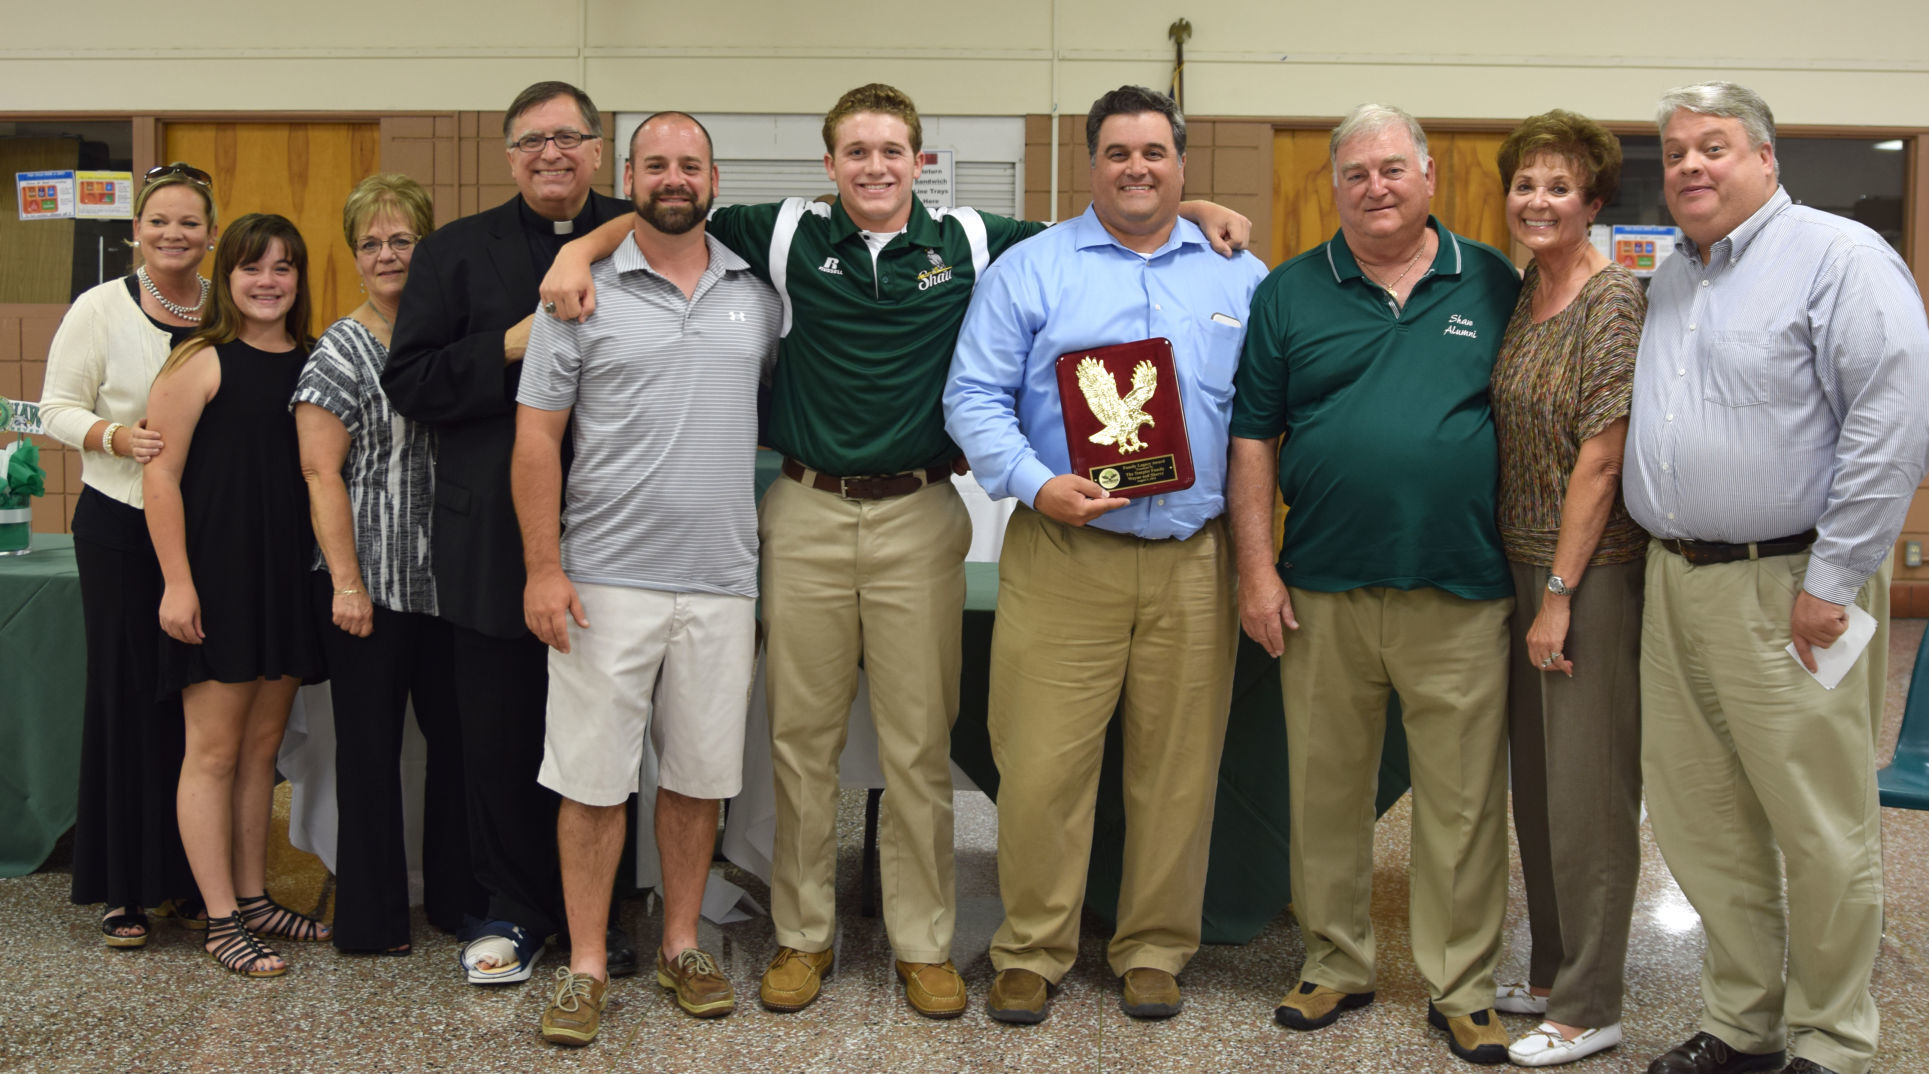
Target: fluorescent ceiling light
[(1893, 145)]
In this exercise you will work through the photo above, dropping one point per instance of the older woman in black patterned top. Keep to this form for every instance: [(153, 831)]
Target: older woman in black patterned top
[(1561, 387), (370, 492)]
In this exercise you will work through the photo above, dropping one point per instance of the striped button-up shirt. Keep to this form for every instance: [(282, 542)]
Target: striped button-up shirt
[(1783, 384)]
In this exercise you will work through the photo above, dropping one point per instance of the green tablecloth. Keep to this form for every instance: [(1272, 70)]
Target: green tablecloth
[(43, 665)]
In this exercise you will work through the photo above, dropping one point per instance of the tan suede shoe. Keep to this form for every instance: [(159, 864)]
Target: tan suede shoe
[(575, 1012), (1020, 997), (1475, 1037), (1315, 1006), (1149, 993), (792, 979), (701, 988), (933, 989)]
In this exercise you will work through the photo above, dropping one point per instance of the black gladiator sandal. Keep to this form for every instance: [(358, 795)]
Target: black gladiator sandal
[(265, 916), (237, 950)]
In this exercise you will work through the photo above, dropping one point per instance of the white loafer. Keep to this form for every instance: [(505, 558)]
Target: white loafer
[(1545, 1047), (1517, 999)]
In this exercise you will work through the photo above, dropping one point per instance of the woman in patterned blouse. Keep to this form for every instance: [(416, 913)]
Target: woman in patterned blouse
[(370, 492), (1561, 387)]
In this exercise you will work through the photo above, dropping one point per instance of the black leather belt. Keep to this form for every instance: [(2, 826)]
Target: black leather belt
[(1703, 553), (869, 487)]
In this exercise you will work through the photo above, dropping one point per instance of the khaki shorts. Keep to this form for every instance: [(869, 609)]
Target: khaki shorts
[(673, 666)]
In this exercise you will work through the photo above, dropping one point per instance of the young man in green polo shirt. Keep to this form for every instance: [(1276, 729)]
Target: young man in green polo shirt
[(864, 545)]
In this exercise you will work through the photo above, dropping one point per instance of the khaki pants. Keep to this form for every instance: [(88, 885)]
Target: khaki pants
[(882, 581), (1447, 659), (1083, 613), (1743, 753), (1576, 761)]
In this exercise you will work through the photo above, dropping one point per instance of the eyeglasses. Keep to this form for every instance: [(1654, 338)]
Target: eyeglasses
[(372, 247), (186, 171), (564, 139)]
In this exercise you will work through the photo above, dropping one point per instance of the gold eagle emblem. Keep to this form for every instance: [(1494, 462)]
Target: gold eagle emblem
[(1121, 416)]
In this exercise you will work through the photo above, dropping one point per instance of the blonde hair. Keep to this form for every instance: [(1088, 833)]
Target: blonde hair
[(377, 194)]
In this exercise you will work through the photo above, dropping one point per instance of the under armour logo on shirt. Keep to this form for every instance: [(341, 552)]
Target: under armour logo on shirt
[(736, 315), (830, 266)]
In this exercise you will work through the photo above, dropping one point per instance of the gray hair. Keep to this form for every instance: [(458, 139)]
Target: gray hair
[(1369, 119), (1727, 101)]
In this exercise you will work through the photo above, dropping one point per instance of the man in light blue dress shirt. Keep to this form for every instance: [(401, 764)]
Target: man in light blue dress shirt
[(1100, 594), (1778, 433)]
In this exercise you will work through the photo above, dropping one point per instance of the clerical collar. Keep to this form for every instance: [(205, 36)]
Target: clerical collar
[(542, 225)]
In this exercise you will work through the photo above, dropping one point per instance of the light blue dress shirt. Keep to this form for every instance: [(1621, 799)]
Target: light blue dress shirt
[(1075, 287), (1783, 384)]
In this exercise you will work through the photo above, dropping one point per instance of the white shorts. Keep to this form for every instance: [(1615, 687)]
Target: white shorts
[(673, 666)]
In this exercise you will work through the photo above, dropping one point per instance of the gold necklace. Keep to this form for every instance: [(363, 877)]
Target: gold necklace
[(1389, 287)]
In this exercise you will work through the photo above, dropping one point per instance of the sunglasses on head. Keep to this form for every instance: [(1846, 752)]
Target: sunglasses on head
[(186, 171)]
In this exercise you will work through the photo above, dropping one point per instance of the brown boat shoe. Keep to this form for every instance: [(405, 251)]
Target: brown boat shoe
[(933, 989), (1146, 992), (792, 979), (701, 988), (575, 1012), (1019, 997)]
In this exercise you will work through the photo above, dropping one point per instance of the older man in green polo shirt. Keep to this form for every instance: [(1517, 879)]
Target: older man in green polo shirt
[(1369, 355)]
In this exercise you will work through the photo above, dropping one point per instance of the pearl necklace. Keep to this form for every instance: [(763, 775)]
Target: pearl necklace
[(190, 314)]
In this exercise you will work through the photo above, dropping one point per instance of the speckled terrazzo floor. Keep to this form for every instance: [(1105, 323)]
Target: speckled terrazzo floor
[(69, 1004)]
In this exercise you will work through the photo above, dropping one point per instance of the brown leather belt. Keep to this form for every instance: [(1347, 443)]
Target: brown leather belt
[(1703, 553), (868, 487)]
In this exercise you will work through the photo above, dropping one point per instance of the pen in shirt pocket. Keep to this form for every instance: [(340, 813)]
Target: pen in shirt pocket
[(1220, 318)]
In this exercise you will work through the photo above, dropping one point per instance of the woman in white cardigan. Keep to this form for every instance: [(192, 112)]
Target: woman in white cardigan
[(127, 847)]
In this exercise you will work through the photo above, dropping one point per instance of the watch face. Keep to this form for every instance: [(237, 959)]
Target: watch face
[(1555, 585)]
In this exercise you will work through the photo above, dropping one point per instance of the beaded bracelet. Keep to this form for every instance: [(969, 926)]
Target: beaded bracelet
[(107, 440)]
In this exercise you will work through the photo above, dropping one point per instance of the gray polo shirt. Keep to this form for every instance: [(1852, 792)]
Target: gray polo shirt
[(663, 394)]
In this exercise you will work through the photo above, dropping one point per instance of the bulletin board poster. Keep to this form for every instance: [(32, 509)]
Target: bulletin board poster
[(936, 186), (104, 195), (1641, 248), (45, 195)]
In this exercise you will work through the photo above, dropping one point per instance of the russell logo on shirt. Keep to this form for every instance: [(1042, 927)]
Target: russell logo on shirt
[(1460, 326)]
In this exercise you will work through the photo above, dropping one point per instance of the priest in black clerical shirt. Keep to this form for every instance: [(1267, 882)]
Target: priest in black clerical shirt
[(455, 364)]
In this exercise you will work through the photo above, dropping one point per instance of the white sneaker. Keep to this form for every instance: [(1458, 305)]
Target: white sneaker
[(1517, 999), (1545, 1047)]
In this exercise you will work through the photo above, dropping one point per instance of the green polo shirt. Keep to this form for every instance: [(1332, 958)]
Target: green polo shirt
[(865, 348), (1389, 463)]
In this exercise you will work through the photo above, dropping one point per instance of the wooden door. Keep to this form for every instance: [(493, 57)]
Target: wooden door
[(304, 171), (1467, 195)]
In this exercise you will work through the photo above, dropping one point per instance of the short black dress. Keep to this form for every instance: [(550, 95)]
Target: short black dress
[(248, 535)]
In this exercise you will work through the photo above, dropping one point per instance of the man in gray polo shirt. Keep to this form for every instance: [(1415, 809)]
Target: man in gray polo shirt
[(660, 552)]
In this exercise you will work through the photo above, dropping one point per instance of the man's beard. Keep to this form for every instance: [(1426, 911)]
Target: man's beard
[(674, 219)]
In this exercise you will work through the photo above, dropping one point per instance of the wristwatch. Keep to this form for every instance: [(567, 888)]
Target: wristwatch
[(1558, 587)]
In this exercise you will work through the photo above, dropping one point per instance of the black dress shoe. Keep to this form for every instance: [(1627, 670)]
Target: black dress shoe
[(1705, 1053), (621, 953), (1799, 1065)]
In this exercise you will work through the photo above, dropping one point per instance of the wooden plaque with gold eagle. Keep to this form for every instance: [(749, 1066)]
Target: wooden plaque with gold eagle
[(1124, 425)]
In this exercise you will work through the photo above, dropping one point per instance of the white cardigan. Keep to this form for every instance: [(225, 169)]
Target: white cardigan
[(102, 362)]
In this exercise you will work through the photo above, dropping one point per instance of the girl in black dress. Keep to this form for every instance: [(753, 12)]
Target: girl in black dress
[(227, 511)]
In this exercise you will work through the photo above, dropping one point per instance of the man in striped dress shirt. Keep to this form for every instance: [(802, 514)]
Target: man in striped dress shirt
[(1778, 432), (659, 553)]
